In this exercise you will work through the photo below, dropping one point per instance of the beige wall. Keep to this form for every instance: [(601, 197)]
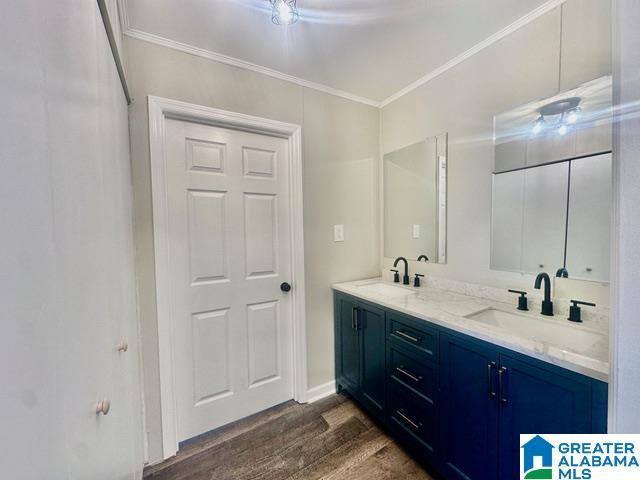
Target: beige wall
[(519, 68), (340, 167), (624, 387)]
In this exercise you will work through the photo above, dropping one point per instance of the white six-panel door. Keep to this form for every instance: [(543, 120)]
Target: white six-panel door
[(229, 251)]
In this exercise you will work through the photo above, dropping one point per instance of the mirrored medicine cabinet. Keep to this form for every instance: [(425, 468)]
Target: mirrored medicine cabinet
[(551, 206)]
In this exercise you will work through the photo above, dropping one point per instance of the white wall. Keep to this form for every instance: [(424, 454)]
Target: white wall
[(340, 166), (624, 389), (522, 67), (66, 251)]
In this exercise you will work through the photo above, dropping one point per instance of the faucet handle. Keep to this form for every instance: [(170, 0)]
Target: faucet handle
[(575, 312), (522, 300), (396, 276), (416, 281)]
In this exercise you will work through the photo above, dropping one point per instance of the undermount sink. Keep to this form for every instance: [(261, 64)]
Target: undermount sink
[(384, 289), (550, 331)]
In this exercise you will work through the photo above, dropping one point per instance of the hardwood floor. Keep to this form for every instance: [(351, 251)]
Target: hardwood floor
[(331, 439)]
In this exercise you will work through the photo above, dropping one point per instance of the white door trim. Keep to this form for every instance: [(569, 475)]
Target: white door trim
[(159, 110)]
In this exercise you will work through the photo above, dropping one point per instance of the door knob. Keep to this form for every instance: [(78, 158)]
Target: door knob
[(103, 407), (285, 287)]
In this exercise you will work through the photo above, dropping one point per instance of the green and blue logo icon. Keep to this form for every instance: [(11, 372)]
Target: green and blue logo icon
[(537, 459)]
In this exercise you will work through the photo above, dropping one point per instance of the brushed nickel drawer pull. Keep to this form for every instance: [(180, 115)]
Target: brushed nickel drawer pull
[(404, 372), (407, 336), (408, 420)]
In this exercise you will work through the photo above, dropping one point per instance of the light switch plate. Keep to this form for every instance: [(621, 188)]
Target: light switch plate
[(416, 230), (338, 233)]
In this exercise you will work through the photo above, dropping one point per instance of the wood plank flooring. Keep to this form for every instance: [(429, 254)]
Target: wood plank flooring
[(331, 439)]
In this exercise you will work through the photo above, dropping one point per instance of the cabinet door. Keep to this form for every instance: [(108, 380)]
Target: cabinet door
[(535, 398), (470, 407), (589, 228), (506, 221), (347, 347), (371, 324), (545, 217)]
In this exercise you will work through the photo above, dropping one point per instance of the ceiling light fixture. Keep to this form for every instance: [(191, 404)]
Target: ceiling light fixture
[(565, 110), (284, 12)]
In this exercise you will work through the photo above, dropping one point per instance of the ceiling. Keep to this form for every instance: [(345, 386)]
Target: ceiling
[(366, 48)]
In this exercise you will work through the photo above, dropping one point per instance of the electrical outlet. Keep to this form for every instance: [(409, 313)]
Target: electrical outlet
[(416, 230), (338, 233)]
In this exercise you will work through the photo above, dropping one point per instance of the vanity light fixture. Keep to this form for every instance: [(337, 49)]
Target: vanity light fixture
[(284, 12), (566, 110)]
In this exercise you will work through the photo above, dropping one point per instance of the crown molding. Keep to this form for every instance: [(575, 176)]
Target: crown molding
[(123, 15), (218, 57), (478, 47)]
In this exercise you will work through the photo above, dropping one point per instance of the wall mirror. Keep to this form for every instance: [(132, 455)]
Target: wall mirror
[(415, 200), (551, 208)]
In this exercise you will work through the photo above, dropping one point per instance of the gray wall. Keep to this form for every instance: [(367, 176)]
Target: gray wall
[(624, 389), (67, 281), (340, 168), (520, 68)]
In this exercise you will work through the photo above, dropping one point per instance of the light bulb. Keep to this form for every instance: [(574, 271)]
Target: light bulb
[(284, 12), (572, 115), (562, 129), (538, 125)]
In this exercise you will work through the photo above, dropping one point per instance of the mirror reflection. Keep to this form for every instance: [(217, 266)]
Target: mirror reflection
[(415, 179), (552, 185)]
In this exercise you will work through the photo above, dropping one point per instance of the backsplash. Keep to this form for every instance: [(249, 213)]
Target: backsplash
[(593, 317)]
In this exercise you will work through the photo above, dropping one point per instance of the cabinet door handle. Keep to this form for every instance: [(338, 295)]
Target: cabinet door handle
[(502, 379), (490, 367), (354, 318), (413, 424), (401, 370), (411, 338)]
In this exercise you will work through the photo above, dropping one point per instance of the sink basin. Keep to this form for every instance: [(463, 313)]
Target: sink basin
[(385, 289), (549, 331)]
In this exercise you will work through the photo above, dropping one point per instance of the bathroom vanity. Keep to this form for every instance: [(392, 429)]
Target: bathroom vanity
[(457, 378)]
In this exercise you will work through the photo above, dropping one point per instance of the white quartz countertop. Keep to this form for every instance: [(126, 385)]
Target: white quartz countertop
[(450, 309)]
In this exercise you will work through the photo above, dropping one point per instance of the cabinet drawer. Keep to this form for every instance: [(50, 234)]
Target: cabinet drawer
[(408, 373), (419, 338), (414, 416)]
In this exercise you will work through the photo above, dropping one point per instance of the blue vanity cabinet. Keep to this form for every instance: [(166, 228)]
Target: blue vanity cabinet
[(360, 352), (494, 394), (536, 397), (347, 340), (412, 381), (469, 410), (371, 327), (457, 402)]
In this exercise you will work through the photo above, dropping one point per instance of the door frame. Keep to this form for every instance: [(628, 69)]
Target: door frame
[(159, 110)]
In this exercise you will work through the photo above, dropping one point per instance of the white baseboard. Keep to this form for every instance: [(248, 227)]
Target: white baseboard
[(317, 393)]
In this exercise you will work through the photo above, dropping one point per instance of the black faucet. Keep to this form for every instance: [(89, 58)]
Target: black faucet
[(405, 278), (423, 257), (547, 304)]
